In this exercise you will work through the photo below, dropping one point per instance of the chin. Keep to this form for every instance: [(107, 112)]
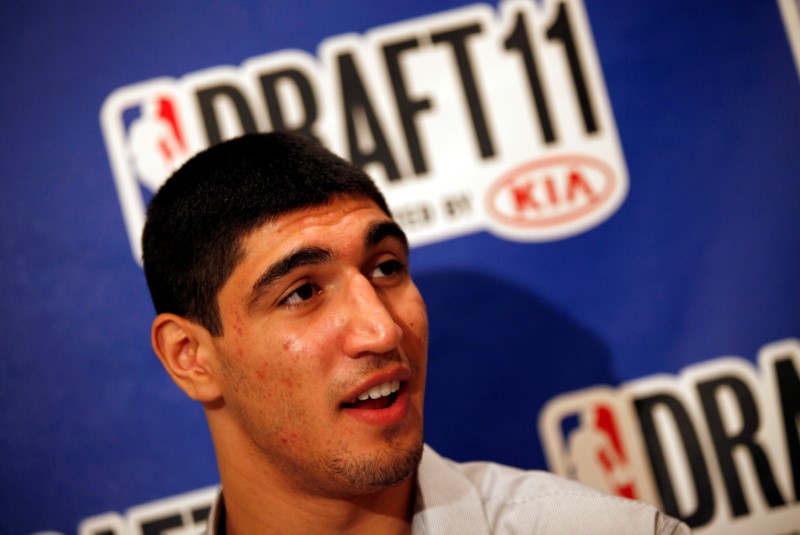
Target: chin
[(371, 472)]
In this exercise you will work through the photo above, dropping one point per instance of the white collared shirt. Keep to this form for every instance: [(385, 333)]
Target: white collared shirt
[(481, 498)]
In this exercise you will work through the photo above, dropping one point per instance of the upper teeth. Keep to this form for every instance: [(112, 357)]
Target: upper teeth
[(385, 389)]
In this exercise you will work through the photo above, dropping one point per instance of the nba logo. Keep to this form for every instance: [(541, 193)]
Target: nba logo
[(592, 436), (148, 135)]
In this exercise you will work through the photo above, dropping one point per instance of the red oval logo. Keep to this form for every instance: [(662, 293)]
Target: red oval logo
[(552, 192)]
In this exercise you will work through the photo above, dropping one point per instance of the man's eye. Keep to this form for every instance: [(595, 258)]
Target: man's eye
[(302, 293), (387, 269)]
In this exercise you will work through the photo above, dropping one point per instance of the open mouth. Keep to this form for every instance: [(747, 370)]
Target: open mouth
[(378, 397)]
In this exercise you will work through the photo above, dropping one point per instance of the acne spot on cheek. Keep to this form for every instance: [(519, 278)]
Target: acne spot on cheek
[(293, 347), (237, 324), (288, 438)]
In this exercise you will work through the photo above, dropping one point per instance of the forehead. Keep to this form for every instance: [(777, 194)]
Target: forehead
[(343, 222)]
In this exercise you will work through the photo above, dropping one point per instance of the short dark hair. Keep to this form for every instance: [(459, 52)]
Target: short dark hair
[(196, 222)]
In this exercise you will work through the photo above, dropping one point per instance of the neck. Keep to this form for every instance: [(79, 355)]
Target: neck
[(266, 511)]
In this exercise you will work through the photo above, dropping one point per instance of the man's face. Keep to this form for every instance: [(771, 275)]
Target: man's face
[(319, 314)]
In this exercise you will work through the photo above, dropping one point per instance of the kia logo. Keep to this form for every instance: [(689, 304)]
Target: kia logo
[(552, 192)]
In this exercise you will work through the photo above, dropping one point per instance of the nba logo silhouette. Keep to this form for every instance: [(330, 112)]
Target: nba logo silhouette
[(157, 143), (148, 135), (592, 436)]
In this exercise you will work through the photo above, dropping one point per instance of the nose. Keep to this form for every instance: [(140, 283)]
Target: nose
[(371, 327)]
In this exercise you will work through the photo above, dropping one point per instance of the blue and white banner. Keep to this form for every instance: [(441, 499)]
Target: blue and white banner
[(602, 202)]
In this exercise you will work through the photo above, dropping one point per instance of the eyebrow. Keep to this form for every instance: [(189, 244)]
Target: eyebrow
[(309, 256), (305, 256), (377, 232)]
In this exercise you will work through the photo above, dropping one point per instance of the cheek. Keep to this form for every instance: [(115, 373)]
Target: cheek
[(276, 368), (297, 364), (415, 317), (288, 438), (238, 328), (294, 347), (264, 387), (317, 340)]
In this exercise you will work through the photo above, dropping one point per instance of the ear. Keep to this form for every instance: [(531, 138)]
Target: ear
[(186, 351)]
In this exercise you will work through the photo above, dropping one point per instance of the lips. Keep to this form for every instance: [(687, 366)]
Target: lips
[(382, 390), (381, 401), (378, 397)]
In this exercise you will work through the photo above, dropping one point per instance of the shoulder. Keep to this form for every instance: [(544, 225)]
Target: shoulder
[(498, 481), (525, 501)]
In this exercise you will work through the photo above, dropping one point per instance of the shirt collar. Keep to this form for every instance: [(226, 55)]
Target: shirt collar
[(446, 500), (216, 520)]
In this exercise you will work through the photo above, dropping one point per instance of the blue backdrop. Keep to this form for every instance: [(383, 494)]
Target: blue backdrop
[(698, 259)]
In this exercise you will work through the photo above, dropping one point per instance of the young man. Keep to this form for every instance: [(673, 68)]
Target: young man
[(286, 308)]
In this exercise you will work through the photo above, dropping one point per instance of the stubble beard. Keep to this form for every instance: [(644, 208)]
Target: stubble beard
[(341, 472), (366, 474)]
